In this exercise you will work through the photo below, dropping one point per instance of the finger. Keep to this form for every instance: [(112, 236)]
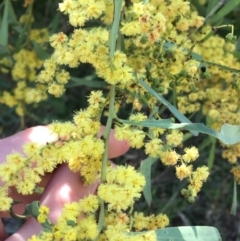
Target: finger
[(68, 189), (64, 187), (37, 134), (3, 234), (24, 200), (30, 227), (116, 148), (41, 134)]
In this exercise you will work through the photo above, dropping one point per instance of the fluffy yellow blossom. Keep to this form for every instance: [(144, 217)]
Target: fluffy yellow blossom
[(15, 160), (8, 171), (25, 187), (77, 19), (45, 76), (175, 138), (81, 116), (148, 236), (169, 158), (34, 238), (46, 236), (88, 228), (140, 221), (138, 117), (5, 203), (89, 204), (75, 163), (161, 220), (191, 67), (131, 28), (154, 147), (95, 9), (66, 6), (136, 140), (123, 186), (119, 59), (96, 98), (191, 154), (27, 2), (43, 212), (56, 89), (133, 136), (63, 55), (182, 25), (40, 36), (71, 211), (113, 233), (137, 104), (157, 131), (236, 173), (197, 21), (70, 234), (63, 130), (62, 77), (122, 132), (30, 148), (201, 173), (183, 171), (34, 96), (195, 186)]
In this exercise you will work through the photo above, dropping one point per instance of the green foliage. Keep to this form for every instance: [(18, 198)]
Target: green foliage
[(145, 169), (197, 233)]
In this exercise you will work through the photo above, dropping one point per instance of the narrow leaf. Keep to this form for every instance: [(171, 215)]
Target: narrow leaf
[(170, 45), (174, 111), (145, 169), (145, 2), (3, 51), (90, 81), (115, 26), (237, 45), (234, 201), (227, 8), (229, 134), (12, 16), (4, 25), (223, 67), (196, 56), (213, 4), (53, 26), (211, 156), (188, 233), (41, 53)]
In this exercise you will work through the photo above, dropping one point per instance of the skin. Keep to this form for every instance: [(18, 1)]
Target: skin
[(58, 190)]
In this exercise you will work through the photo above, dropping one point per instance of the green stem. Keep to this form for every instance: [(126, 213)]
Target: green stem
[(25, 33), (212, 153), (114, 43), (174, 95), (29, 23), (234, 201), (210, 14), (106, 134), (226, 26)]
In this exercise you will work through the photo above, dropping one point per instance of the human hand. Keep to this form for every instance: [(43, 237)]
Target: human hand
[(61, 186)]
